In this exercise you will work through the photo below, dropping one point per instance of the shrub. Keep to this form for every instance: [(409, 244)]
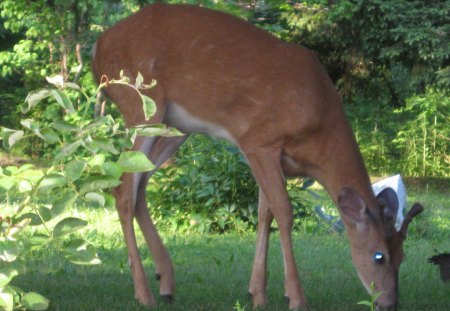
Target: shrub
[(210, 188), (81, 170)]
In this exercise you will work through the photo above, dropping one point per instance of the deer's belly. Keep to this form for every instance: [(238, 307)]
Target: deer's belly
[(178, 117)]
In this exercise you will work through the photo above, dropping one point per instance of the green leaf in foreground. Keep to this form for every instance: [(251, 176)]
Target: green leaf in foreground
[(80, 252), (135, 162), (10, 138), (68, 225), (34, 98), (98, 183), (63, 100), (68, 149), (52, 181), (9, 250), (6, 298), (74, 169), (96, 197), (149, 106), (157, 130), (6, 275), (67, 200), (34, 301)]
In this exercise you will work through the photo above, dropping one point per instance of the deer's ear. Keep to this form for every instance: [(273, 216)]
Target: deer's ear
[(388, 200), (415, 210), (352, 206)]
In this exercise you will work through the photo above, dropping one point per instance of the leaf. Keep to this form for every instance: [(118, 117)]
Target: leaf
[(139, 80), (365, 303), (34, 301), (34, 98), (63, 100), (95, 197), (29, 124), (110, 168), (6, 275), (68, 225), (9, 250), (62, 204), (6, 298), (73, 86), (74, 169), (49, 136), (97, 123), (57, 80), (80, 252), (68, 150), (97, 160), (52, 181), (134, 162), (64, 126), (45, 213), (34, 220), (130, 137), (24, 186), (7, 182), (98, 183), (171, 131), (110, 201), (157, 130), (105, 145), (123, 77), (38, 240), (13, 139), (149, 106)]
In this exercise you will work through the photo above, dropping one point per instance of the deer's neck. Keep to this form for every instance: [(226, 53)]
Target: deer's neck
[(338, 163)]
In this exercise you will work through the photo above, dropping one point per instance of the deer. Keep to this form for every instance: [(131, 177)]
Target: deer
[(221, 76)]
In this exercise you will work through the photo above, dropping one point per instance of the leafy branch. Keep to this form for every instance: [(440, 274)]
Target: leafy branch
[(87, 163)]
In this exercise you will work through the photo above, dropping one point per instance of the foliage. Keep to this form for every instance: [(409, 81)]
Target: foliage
[(382, 51), (373, 297), (424, 138), (412, 139), (42, 37), (210, 188), (368, 41), (88, 161)]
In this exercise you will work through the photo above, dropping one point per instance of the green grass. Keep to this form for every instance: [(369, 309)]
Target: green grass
[(212, 271)]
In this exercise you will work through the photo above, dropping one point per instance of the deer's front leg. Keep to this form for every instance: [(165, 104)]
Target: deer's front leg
[(161, 150), (266, 166), (125, 204), (258, 280)]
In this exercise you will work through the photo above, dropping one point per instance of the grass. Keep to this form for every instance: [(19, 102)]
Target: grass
[(212, 271)]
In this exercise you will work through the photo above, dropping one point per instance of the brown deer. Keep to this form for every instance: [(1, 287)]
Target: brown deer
[(221, 76)]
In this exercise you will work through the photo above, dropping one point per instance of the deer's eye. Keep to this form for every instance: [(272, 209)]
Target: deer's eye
[(379, 258)]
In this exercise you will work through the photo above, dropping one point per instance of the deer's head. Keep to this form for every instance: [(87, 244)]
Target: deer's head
[(376, 245)]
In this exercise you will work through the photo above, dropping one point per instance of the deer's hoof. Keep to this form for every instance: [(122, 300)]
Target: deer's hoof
[(168, 299), (297, 306)]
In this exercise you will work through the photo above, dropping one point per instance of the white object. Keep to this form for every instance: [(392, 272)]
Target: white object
[(396, 183)]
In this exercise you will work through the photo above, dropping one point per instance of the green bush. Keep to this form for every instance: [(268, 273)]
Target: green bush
[(210, 188), (412, 140), (87, 162), (423, 138)]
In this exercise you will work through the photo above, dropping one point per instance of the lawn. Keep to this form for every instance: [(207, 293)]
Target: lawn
[(212, 271)]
